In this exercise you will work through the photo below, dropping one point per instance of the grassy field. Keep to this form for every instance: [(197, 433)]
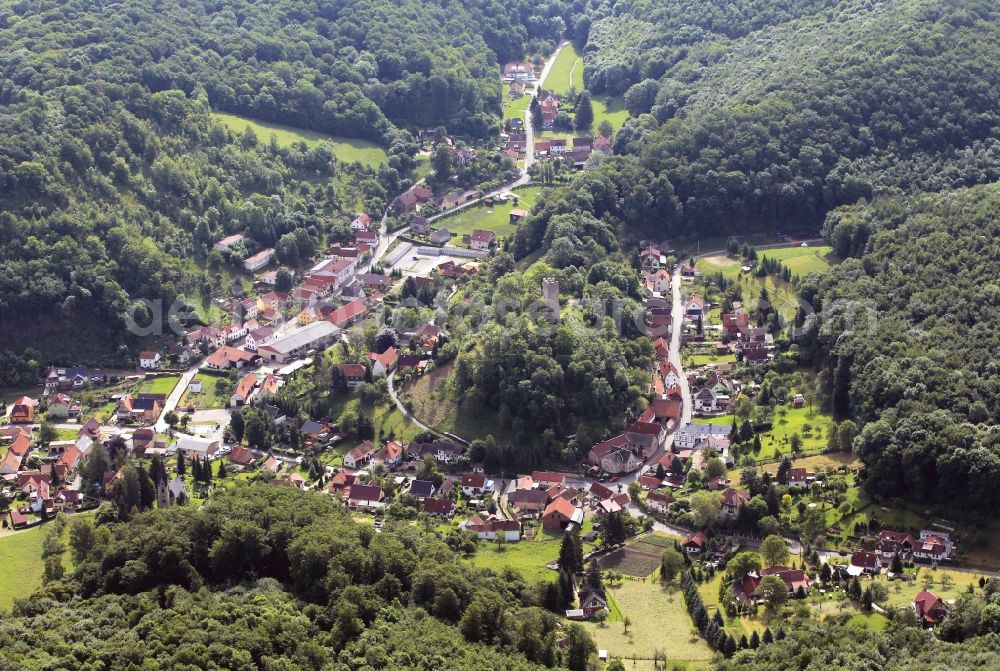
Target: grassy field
[(514, 109), (702, 359), (345, 149), (737, 626), (659, 621), (495, 218), (20, 555), (527, 557), (158, 385), (812, 425), (566, 75), (433, 406), (206, 399), (566, 72), (803, 260)]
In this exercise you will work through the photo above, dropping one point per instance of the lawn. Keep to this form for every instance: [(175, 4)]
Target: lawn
[(514, 109), (207, 398), (659, 622), (703, 359), (566, 72), (21, 556), (527, 557), (609, 108), (345, 149), (158, 385), (495, 218), (812, 425), (803, 260), (739, 626)]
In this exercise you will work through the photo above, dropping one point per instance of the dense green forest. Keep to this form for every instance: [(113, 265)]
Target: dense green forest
[(114, 182), (903, 647), (351, 67), (767, 118), (908, 342), (270, 577)]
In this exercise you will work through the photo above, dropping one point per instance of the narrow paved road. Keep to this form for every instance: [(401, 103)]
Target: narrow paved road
[(174, 398), (402, 408), (674, 356), (386, 239)]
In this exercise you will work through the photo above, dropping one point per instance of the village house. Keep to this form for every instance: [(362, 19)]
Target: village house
[(196, 447), (348, 314), (592, 602), (651, 259), (864, 562), (734, 323), (615, 455), (440, 237), (421, 489), (695, 543), (209, 335), (259, 336), (546, 479), (933, 546), (659, 502), (227, 357), (64, 379), (528, 502), (354, 373), (491, 529), (476, 484), (385, 363), (391, 454), (561, 513), (482, 240), (733, 501), (362, 222), (61, 406), (23, 410), (800, 478), (360, 456), (365, 497), (601, 143), (690, 434), (929, 609), (228, 241), (519, 72), (241, 457), (244, 390), (258, 260), (694, 307), (439, 507), (420, 226)]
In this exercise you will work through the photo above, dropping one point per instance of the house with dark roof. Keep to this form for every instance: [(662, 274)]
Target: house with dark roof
[(439, 507), (865, 562), (365, 497), (421, 489), (528, 503)]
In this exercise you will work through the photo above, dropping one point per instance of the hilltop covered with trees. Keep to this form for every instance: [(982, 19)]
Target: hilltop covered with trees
[(908, 339), (270, 577), (763, 117)]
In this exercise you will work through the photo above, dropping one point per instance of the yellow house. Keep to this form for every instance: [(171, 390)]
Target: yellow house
[(307, 316)]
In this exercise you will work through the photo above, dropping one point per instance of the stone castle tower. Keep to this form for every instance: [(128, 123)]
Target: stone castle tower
[(550, 294)]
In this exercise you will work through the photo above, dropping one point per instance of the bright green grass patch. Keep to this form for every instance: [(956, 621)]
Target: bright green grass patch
[(21, 558), (158, 385), (495, 218), (777, 441), (346, 149), (871, 621), (702, 359), (516, 108), (659, 620), (527, 557), (207, 398), (566, 72), (609, 109), (803, 260)]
